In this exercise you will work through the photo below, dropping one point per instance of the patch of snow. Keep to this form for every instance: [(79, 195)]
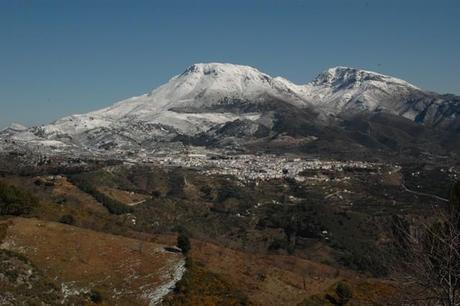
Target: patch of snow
[(16, 127), (71, 289), (157, 295)]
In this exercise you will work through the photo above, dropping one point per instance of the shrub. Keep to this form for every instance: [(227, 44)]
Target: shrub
[(156, 194), (344, 293), (183, 242), (176, 182), (16, 202), (67, 219), (178, 228), (364, 257), (341, 295), (95, 297), (278, 244)]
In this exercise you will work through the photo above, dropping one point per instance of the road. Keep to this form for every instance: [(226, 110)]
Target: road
[(424, 194), (136, 203)]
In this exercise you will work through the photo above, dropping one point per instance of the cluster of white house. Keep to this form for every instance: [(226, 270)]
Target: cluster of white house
[(258, 167)]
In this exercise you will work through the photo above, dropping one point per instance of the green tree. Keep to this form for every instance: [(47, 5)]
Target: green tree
[(183, 242), (344, 293), (67, 219)]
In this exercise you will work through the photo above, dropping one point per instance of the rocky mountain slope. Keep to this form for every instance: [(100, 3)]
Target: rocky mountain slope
[(212, 103), (344, 90)]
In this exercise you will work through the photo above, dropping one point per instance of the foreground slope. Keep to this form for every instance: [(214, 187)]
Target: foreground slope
[(124, 271)]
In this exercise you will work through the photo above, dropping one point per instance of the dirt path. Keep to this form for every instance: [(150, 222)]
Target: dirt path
[(424, 194), (136, 203)]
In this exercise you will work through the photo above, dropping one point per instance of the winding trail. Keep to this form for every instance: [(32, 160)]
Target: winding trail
[(424, 194), (136, 203)]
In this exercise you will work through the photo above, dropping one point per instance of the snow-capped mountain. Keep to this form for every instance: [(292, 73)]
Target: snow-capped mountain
[(12, 129), (200, 87), (241, 101), (346, 91)]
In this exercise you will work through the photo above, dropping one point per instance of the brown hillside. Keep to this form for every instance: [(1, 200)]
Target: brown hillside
[(124, 271)]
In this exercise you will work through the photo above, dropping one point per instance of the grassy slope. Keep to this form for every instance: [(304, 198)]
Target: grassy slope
[(121, 269), (208, 207)]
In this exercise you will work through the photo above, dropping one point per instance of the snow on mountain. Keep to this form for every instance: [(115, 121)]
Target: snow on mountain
[(197, 101), (17, 127), (204, 85), (346, 91), (343, 89), (200, 86), (12, 129)]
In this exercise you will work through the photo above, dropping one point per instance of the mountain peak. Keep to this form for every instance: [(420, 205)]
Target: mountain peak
[(16, 127), (342, 76), (220, 69)]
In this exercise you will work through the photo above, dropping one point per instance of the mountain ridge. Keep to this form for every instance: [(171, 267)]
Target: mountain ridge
[(213, 97)]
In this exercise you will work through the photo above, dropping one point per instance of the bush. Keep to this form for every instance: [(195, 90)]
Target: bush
[(364, 257), (156, 194), (344, 293), (176, 182), (178, 228), (67, 219), (183, 242), (16, 202), (95, 297), (341, 295), (278, 244)]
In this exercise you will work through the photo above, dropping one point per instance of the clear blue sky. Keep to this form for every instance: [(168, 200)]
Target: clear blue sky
[(62, 57)]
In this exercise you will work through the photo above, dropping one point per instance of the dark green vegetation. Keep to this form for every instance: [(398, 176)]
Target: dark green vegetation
[(344, 294), (67, 219), (113, 206), (183, 242), (14, 201)]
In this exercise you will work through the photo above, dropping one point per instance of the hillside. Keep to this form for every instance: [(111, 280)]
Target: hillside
[(81, 262)]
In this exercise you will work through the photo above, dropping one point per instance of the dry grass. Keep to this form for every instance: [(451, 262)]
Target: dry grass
[(125, 197), (269, 279), (199, 287), (280, 279), (121, 269)]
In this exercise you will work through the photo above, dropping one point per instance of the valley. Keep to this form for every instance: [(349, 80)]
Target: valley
[(268, 229), (226, 186)]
